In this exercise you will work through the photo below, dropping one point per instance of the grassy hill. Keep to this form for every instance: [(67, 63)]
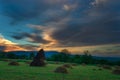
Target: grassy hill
[(25, 72)]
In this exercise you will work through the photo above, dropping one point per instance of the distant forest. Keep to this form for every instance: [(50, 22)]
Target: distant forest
[(63, 56)]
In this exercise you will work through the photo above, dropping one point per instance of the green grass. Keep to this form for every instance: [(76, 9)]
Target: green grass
[(25, 72)]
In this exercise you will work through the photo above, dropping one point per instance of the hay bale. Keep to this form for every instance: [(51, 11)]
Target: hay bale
[(117, 67), (67, 66), (74, 64), (99, 65), (61, 69), (14, 63), (116, 71), (83, 64), (57, 62), (107, 67), (28, 62)]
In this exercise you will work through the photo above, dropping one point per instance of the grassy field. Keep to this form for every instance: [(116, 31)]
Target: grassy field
[(25, 72)]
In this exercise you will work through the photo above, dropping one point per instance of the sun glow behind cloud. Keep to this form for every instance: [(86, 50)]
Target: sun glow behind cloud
[(9, 45)]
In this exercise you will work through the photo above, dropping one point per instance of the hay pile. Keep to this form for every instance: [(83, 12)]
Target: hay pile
[(83, 64), (107, 67), (14, 63), (61, 69), (117, 67), (116, 71), (39, 59), (27, 62), (99, 65), (74, 64), (68, 66)]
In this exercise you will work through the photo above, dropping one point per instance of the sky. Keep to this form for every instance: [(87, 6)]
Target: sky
[(76, 25)]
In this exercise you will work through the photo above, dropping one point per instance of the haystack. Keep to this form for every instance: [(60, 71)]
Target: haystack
[(117, 67), (83, 64), (14, 63), (106, 67), (74, 64), (61, 69), (39, 59), (68, 66), (116, 71)]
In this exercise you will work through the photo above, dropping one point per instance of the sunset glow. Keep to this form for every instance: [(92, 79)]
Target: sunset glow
[(76, 25)]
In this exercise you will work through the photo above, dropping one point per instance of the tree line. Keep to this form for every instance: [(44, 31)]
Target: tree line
[(63, 56), (86, 58), (10, 55)]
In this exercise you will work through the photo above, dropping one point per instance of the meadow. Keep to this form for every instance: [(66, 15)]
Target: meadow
[(25, 72)]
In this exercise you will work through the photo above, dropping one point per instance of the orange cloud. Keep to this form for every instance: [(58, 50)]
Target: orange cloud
[(9, 45)]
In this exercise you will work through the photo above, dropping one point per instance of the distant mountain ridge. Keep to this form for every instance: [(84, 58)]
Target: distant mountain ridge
[(50, 53), (47, 53)]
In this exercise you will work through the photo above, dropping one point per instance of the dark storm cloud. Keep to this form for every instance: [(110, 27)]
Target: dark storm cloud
[(20, 10), (99, 25), (33, 38), (92, 22)]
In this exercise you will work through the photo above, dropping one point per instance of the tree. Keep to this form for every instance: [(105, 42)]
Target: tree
[(77, 59), (11, 56), (2, 55), (65, 55), (87, 57), (31, 56)]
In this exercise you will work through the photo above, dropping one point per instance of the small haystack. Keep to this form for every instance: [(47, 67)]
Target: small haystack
[(68, 66), (116, 71), (117, 67), (14, 63), (99, 65), (27, 62), (74, 64), (61, 69), (107, 67), (83, 64)]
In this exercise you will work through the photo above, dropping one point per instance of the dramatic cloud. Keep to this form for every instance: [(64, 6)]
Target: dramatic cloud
[(33, 38), (66, 23), (6, 45), (99, 25), (18, 10), (4, 41)]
